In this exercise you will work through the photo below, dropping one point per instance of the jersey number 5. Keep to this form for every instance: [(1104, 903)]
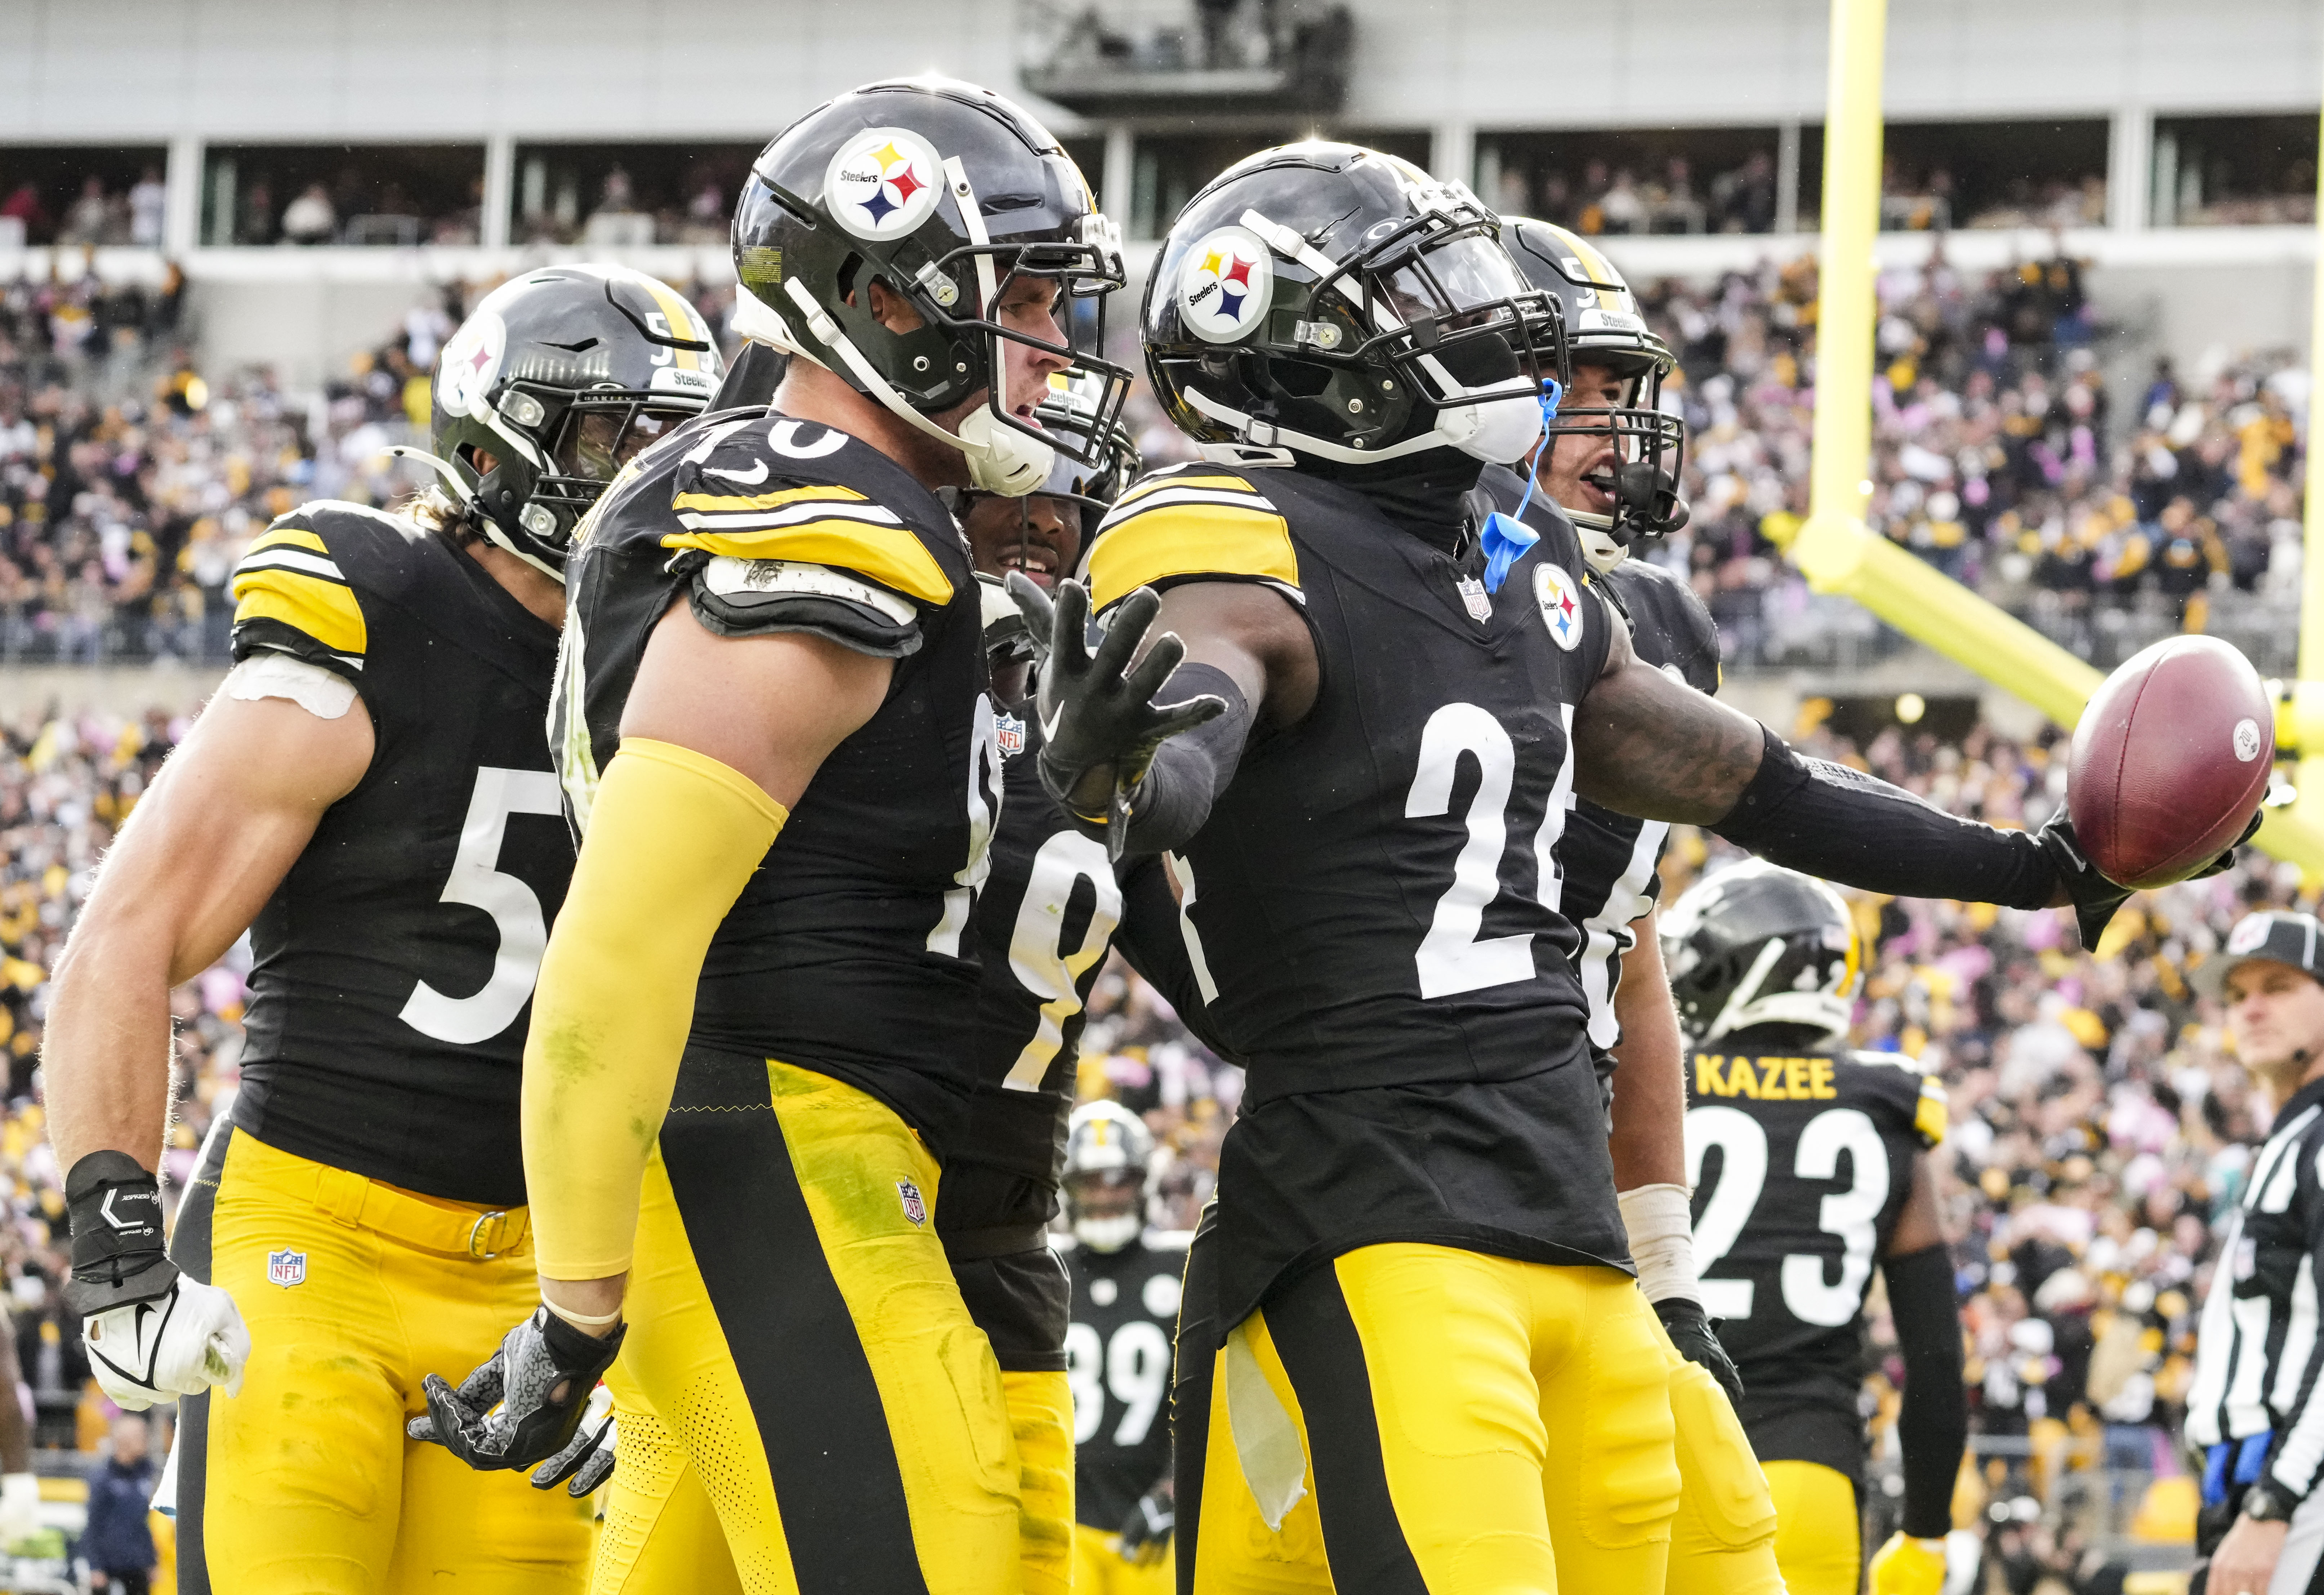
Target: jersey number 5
[(478, 882), (1852, 1214)]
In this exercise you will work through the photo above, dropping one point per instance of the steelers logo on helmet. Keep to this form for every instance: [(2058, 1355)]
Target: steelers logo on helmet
[(470, 362), (1225, 285), (883, 182)]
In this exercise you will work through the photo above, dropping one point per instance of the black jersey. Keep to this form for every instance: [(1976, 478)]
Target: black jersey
[(1800, 1166), (849, 952), (1376, 898), (394, 965), (1117, 1362)]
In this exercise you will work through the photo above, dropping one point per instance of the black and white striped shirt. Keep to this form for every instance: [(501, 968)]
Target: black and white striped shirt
[(2258, 1352)]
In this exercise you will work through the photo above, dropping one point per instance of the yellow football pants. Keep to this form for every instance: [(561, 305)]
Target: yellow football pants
[(795, 1326), (1041, 1415), (1099, 1569), (1466, 1422), (1817, 1542), (304, 1484), (1723, 1539)]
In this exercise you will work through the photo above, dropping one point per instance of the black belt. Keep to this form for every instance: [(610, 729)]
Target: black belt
[(999, 1240)]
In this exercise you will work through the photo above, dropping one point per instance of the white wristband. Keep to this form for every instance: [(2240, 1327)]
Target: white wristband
[(1662, 1240)]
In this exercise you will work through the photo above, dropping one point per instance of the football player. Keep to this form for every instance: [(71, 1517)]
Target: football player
[(1365, 766), (1608, 462), (1823, 1167), (369, 795), (1125, 1310), (753, 1039)]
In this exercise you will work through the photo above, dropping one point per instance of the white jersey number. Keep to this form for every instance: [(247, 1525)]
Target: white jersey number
[(477, 881), (984, 815), (1036, 955), (1451, 957), (1133, 1368), (1852, 1214)]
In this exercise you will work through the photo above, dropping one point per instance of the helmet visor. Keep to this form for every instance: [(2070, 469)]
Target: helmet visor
[(598, 438)]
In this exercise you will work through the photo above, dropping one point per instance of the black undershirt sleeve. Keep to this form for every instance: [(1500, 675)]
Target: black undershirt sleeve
[(1932, 1423), (1837, 823), (1190, 768)]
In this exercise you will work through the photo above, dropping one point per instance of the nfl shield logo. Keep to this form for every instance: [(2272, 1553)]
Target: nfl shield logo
[(1010, 732), (286, 1269), (1473, 596), (915, 1208)]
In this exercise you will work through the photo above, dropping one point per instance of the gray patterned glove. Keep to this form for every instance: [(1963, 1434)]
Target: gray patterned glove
[(584, 1466), (523, 1403)]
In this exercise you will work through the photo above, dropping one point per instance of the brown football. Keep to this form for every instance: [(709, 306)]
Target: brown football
[(2170, 762)]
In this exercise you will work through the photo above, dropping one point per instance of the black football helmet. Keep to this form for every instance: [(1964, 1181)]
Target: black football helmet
[(1342, 303), (561, 375), (1108, 1174), (1603, 327), (946, 193), (1758, 948)]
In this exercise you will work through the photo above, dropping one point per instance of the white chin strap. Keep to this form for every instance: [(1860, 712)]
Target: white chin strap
[(1598, 544), (1108, 1234), (1000, 458)]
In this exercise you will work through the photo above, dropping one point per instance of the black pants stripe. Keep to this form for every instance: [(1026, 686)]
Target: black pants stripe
[(189, 1249)]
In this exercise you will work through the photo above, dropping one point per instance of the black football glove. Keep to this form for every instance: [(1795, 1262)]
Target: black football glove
[(2094, 898), (1690, 1333), (588, 1460), (509, 1413), (1098, 709), (1145, 1531)]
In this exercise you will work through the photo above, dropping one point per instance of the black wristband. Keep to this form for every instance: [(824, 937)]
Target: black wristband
[(115, 1208), (1932, 1418), (1838, 824)]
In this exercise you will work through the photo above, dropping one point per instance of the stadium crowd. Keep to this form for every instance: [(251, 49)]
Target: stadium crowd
[(2098, 1125)]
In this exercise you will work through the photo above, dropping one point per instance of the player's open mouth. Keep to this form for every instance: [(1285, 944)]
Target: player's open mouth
[(1040, 564), (1601, 483)]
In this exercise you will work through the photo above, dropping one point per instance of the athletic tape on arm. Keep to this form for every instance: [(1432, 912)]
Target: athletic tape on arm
[(674, 836)]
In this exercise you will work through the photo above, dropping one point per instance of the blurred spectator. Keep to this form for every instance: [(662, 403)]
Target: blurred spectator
[(117, 1542), (148, 204), (86, 220), (311, 217)]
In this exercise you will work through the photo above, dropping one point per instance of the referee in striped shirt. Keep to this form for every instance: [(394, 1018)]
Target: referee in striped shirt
[(2253, 1408)]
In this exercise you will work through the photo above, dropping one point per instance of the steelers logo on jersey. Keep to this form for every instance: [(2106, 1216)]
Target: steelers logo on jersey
[(883, 182), (1225, 285), (1561, 605)]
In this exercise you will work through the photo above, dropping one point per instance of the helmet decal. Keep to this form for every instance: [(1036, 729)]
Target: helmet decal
[(470, 362), (883, 182), (1226, 285)]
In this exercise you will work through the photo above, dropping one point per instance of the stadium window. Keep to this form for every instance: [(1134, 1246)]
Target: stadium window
[(1089, 154), (354, 194), (1643, 179), (1170, 169), (626, 195), (2211, 172), (94, 194), (1938, 176)]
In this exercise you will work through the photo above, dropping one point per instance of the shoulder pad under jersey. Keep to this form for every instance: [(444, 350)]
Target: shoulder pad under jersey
[(1931, 1110), (301, 587), (1191, 522), (1669, 626)]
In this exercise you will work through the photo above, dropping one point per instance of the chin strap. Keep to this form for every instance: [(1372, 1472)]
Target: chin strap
[(465, 497)]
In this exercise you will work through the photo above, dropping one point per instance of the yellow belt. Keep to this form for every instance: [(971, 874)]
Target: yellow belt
[(448, 1229)]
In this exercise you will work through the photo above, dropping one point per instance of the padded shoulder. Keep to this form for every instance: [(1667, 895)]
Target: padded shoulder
[(1191, 522), (1899, 1081), (1669, 625), (774, 488), (303, 587)]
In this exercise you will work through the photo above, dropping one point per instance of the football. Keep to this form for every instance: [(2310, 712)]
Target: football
[(2170, 759)]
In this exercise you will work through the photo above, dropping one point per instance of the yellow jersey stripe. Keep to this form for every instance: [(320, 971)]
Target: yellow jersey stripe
[(1191, 539), (296, 537), (1154, 484), (891, 556), (325, 611), (1930, 1114), (726, 502)]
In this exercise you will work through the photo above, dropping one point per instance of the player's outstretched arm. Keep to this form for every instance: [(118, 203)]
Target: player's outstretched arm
[(226, 819), (1933, 1423), (1655, 748), (720, 738), (1146, 730)]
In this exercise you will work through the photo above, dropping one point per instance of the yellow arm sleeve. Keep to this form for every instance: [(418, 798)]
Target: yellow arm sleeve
[(674, 836)]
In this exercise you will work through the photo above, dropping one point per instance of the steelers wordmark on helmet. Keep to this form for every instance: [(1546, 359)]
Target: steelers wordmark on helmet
[(1226, 285), (1561, 605), (883, 182)]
